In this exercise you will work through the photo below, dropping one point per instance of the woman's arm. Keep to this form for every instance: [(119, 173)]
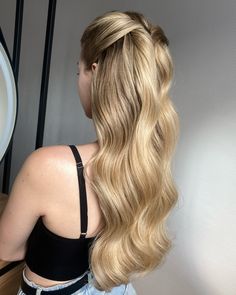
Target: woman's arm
[(24, 206)]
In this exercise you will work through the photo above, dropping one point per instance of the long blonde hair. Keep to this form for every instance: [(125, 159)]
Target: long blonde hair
[(137, 129)]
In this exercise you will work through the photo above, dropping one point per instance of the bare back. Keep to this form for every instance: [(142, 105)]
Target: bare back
[(62, 208)]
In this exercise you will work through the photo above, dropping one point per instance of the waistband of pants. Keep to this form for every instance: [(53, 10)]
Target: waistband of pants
[(31, 288)]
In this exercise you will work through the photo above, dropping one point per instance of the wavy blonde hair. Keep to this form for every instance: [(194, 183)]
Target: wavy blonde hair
[(137, 129)]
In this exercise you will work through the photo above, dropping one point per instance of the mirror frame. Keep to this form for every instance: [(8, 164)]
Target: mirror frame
[(15, 94)]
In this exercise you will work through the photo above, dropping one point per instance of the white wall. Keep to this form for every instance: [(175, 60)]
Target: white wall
[(202, 41)]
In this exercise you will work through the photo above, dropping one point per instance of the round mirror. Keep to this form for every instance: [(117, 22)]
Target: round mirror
[(8, 99)]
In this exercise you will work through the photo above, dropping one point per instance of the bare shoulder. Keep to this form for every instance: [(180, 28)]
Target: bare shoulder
[(56, 155), (57, 162), (48, 161), (62, 186), (63, 152)]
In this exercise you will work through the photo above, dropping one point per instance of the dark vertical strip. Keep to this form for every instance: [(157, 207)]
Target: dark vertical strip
[(17, 37), (45, 73), (9, 266), (15, 65)]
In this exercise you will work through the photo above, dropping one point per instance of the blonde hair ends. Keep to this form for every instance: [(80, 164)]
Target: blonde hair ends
[(137, 129)]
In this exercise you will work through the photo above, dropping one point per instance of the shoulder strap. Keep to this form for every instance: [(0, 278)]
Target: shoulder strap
[(82, 190)]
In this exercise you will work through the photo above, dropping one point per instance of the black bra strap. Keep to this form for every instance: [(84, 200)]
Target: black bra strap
[(82, 190)]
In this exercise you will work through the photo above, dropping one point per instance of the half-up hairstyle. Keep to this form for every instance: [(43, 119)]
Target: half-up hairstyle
[(137, 129)]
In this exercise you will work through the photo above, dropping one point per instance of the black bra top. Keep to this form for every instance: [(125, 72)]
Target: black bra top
[(55, 257)]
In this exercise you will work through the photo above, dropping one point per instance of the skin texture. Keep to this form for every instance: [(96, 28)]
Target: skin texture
[(37, 192)]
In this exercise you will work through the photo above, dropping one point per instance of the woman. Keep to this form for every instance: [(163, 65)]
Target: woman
[(116, 232)]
